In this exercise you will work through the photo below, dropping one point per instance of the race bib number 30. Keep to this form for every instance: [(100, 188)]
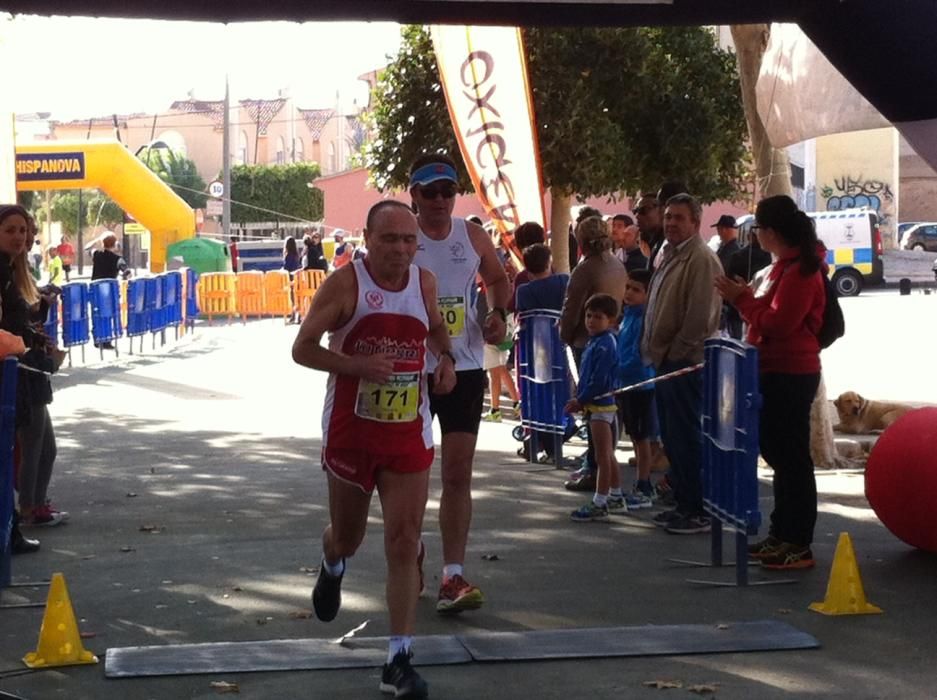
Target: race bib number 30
[(397, 401), (453, 313)]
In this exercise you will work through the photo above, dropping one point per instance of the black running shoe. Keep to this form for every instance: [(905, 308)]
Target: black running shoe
[(327, 595), (400, 679)]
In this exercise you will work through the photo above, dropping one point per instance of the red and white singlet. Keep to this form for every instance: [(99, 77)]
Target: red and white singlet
[(391, 418)]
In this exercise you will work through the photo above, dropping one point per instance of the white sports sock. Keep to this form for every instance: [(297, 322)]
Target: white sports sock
[(600, 499), (397, 645), (333, 569), (616, 492), (450, 570)]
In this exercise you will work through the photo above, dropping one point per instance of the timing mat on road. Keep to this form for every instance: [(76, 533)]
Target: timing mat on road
[(436, 650)]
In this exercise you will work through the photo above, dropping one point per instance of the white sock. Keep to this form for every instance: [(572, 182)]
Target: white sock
[(450, 570), (333, 570), (397, 645), (600, 499), (616, 492)]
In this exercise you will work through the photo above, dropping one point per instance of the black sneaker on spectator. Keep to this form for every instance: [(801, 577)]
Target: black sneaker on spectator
[(399, 678), (666, 517), (689, 525), (581, 482)]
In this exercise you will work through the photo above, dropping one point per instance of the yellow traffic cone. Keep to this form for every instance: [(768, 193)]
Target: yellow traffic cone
[(844, 592), (59, 639)]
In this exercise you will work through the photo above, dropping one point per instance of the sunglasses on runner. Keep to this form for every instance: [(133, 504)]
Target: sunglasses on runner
[(447, 190)]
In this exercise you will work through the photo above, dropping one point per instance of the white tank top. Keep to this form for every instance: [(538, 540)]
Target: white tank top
[(455, 263), (391, 418)]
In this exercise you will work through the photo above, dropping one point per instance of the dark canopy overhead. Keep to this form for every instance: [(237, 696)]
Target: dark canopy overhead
[(883, 47)]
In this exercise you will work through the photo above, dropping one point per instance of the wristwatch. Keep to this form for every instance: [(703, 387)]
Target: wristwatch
[(447, 353), (501, 312)]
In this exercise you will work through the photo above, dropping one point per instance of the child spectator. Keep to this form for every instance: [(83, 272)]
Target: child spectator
[(544, 290), (495, 362), (597, 376), (56, 267), (635, 407)]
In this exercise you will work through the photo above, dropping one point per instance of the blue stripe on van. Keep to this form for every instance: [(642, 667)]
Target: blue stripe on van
[(862, 255), (829, 257)]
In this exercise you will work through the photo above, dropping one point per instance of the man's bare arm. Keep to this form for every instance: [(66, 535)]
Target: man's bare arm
[(332, 306)]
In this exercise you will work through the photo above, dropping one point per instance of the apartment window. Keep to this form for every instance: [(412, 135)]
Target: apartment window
[(241, 156), (281, 151), (797, 177)]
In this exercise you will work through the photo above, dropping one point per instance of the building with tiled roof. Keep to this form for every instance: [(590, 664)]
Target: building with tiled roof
[(263, 131), (316, 120)]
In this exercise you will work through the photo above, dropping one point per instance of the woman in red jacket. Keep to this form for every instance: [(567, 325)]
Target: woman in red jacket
[(785, 313)]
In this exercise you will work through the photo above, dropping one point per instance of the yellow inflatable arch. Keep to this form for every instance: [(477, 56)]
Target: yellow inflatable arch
[(109, 166)]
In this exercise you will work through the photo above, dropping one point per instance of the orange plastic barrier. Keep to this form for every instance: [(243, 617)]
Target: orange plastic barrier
[(123, 303), (278, 299), (185, 307), (305, 284), (217, 294), (250, 293)]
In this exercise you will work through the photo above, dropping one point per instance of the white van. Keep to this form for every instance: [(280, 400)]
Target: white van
[(853, 246)]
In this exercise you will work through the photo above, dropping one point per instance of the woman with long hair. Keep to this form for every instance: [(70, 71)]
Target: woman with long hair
[(291, 261), (785, 314), (21, 305)]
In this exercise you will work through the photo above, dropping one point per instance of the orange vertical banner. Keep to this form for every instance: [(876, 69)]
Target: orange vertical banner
[(483, 71)]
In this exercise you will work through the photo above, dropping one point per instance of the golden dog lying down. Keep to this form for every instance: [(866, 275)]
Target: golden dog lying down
[(860, 415)]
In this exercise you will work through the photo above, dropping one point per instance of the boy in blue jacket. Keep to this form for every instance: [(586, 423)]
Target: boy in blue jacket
[(597, 376), (635, 407)]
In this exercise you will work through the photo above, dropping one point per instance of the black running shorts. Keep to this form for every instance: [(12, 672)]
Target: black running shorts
[(460, 411)]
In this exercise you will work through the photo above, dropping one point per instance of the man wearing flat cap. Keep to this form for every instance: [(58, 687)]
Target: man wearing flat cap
[(728, 234)]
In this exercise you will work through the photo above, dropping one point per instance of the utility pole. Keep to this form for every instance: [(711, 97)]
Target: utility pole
[(81, 239), (226, 165), (340, 166)]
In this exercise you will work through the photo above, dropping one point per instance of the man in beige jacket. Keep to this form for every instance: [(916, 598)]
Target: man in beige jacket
[(682, 312)]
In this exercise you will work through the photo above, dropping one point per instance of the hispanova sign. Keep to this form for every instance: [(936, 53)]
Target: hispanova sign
[(50, 166)]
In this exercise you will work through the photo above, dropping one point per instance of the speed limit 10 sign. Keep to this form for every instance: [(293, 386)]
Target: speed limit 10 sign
[(216, 189)]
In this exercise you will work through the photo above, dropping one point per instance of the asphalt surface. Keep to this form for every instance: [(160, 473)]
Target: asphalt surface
[(197, 505)]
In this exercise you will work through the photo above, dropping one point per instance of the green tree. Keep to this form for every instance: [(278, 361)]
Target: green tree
[(64, 206), (617, 110), (102, 210), (178, 172), (272, 192), (97, 209)]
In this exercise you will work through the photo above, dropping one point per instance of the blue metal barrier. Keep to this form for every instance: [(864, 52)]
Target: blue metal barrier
[(105, 311), (191, 298), (7, 438), (155, 309), (543, 378), (172, 297), (136, 311), (731, 406), (75, 321), (51, 326)]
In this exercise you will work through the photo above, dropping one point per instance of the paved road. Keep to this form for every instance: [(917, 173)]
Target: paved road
[(217, 441)]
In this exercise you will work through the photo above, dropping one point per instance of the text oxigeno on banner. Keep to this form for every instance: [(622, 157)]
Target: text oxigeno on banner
[(484, 76)]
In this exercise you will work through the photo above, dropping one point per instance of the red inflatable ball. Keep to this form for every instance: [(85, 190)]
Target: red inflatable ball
[(901, 478)]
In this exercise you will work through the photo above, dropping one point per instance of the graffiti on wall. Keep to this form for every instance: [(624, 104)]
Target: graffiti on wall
[(848, 192)]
